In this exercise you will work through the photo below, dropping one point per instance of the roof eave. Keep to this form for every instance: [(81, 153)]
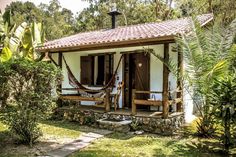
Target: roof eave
[(110, 45)]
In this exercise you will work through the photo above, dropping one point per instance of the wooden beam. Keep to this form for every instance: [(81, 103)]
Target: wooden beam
[(112, 45), (180, 80), (102, 54), (136, 51), (147, 102), (148, 92), (50, 57), (80, 98), (165, 94), (85, 90)]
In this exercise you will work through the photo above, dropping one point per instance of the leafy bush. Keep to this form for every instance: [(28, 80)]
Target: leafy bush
[(26, 87), (223, 101), (206, 127)]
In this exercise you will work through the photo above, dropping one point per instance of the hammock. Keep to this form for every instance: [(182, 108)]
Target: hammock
[(86, 91)]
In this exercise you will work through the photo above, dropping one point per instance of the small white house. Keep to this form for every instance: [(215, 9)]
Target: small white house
[(93, 57)]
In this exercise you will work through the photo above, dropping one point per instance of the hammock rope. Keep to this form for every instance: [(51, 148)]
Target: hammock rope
[(86, 91)]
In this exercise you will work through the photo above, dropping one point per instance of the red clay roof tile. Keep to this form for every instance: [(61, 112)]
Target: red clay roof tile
[(127, 33)]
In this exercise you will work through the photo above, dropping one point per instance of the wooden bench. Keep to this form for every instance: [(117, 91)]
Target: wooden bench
[(105, 100)]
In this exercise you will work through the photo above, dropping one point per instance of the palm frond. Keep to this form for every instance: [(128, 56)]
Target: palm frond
[(229, 36)]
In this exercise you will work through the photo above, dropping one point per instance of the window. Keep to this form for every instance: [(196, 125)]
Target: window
[(96, 69)]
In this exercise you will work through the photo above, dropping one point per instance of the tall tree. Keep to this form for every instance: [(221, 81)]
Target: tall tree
[(133, 12), (164, 9), (224, 11), (21, 12), (58, 21)]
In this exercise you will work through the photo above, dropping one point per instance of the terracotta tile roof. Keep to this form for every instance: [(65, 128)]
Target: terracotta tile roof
[(125, 34)]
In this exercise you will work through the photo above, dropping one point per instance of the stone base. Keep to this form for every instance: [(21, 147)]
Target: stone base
[(124, 122), (115, 125)]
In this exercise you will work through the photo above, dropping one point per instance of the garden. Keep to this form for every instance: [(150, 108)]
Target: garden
[(29, 96)]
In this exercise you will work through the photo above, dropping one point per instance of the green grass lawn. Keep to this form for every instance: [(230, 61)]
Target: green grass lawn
[(115, 144), (149, 145), (60, 129), (123, 145)]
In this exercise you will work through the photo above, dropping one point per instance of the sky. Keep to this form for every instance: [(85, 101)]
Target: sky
[(73, 5)]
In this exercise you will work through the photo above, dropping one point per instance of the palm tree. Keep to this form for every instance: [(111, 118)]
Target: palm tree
[(207, 56)]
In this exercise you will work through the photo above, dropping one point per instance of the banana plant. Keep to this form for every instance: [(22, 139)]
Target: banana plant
[(33, 38), (21, 41), (5, 33)]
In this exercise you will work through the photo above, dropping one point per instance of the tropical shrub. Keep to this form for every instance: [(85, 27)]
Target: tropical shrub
[(26, 83), (223, 101), (28, 89)]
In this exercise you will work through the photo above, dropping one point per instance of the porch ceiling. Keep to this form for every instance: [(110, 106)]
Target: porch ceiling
[(141, 34)]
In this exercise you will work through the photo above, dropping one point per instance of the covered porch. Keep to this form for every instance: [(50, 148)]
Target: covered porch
[(141, 100)]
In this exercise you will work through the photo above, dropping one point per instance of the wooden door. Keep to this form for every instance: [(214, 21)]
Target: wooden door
[(87, 70), (136, 76)]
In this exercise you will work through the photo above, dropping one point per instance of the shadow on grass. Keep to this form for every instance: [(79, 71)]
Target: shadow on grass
[(5, 137), (9, 146), (120, 136), (194, 149)]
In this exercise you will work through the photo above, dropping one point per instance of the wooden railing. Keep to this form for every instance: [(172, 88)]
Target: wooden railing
[(151, 102)]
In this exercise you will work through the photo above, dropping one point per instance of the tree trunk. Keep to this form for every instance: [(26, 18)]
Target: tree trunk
[(157, 7), (227, 130)]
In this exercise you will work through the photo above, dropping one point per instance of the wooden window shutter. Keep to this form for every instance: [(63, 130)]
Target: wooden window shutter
[(108, 68), (87, 70)]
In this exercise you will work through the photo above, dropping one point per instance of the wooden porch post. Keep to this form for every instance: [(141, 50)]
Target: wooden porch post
[(60, 59), (60, 64), (134, 108), (165, 94), (60, 86), (180, 80), (107, 100)]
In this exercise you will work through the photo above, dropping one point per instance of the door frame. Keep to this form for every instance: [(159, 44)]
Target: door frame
[(123, 71)]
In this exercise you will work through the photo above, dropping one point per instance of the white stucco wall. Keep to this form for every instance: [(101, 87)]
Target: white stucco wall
[(188, 101), (156, 70)]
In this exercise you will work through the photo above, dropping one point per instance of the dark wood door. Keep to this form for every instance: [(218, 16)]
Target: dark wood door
[(87, 70), (136, 76)]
